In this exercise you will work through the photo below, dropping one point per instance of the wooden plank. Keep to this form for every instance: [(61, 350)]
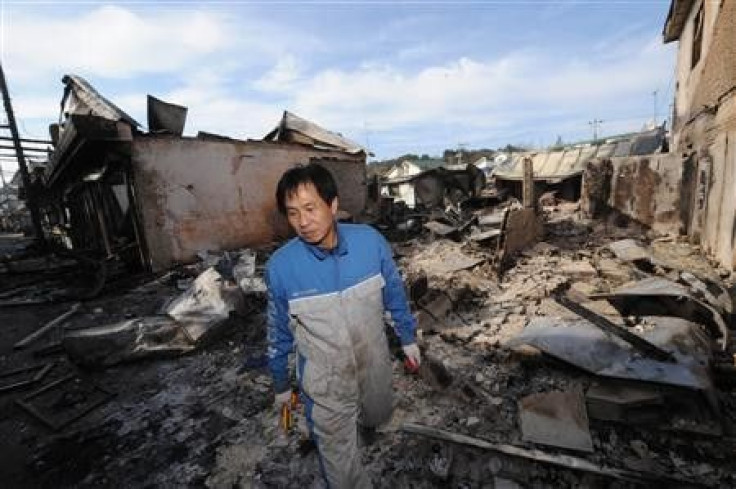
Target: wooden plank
[(528, 184), (559, 460), (48, 326)]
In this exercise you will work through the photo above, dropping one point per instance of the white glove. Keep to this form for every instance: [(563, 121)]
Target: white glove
[(282, 398), (412, 352)]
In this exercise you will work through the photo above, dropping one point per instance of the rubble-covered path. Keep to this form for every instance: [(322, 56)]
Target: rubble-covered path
[(486, 410)]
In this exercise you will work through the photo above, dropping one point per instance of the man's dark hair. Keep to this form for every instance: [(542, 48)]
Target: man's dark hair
[(312, 173)]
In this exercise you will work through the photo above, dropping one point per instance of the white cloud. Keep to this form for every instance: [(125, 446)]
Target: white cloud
[(281, 77), (237, 73), (213, 107), (482, 93), (36, 106), (110, 41)]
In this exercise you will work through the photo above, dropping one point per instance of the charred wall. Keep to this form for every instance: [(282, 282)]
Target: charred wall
[(705, 129), (644, 188), (214, 195)]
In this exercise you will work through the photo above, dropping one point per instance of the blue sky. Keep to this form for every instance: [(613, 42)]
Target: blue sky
[(398, 77)]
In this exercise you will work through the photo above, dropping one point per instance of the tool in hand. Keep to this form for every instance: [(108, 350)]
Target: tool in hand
[(286, 419)]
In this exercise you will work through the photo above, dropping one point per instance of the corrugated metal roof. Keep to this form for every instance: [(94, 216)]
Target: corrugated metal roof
[(562, 164), (552, 165), (623, 148), (81, 98)]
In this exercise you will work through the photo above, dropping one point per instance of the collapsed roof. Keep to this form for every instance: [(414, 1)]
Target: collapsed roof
[(294, 129), (81, 98), (555, 166)]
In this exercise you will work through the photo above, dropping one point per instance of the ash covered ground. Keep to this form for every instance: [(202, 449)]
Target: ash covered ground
[(206, 419)]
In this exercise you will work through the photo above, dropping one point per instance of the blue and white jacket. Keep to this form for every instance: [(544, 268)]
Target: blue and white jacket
[(331, 303)]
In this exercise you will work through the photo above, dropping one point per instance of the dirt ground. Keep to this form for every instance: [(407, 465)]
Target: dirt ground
[(206, 419)]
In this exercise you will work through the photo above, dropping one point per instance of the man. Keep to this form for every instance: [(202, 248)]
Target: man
[(327, 291)]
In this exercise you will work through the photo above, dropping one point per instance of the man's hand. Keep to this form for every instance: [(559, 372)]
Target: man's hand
[(413, 357)]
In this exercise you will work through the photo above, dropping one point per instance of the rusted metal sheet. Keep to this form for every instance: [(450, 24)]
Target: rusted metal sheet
[(165, 117)]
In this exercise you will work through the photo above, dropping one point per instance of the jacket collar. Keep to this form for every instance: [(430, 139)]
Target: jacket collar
[(341, 249)]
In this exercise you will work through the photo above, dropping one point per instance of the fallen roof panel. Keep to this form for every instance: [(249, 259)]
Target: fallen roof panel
[(582, 344), (674, 293)]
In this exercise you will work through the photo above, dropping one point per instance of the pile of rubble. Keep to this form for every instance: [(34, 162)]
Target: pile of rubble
[(577, 354)]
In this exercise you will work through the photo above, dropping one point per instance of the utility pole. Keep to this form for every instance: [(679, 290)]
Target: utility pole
[(654, 97), (18, 147), (460, 148), (594, 124), (367, 136)]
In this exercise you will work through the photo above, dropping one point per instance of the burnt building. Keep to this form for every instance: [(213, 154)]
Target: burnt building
[(154, 198)]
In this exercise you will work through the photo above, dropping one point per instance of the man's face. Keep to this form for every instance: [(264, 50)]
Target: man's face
[(311, 217)]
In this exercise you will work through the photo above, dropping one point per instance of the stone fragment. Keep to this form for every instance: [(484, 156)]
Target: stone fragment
[(580, 270), (472, 421)]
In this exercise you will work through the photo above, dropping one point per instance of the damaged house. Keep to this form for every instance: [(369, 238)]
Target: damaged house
[(561, 170), (432, 183), (397, 181), (157, 198), (704, 122), (688, 190)]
